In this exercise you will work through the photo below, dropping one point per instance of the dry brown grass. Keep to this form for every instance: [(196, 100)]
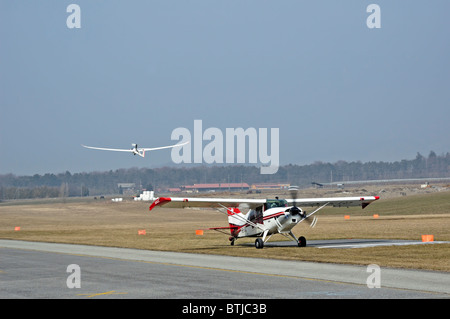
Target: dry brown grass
[(117, 224)]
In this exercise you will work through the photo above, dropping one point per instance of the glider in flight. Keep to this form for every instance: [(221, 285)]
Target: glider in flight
[(135, 149)]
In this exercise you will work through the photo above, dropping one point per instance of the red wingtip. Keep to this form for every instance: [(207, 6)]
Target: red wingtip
[(377, 197), (160, 201)]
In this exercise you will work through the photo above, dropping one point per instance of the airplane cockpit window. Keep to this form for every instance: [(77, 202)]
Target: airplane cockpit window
[(251, 215), (256, 216), (272, 203)]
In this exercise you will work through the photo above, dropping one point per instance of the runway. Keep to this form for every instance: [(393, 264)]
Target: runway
[(352, 243), (40, 270)]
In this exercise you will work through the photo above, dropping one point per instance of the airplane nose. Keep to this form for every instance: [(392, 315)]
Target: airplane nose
[(295, 210)]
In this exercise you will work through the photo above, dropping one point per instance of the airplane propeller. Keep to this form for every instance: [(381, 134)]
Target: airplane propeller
[(294, 210)]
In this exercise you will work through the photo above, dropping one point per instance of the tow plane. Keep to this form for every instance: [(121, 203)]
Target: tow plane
[(135, 149), (265, 217)]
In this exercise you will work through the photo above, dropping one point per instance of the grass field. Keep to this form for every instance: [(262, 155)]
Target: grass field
[(116, 224)]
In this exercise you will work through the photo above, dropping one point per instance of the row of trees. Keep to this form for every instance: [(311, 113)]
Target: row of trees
[(96, 183)]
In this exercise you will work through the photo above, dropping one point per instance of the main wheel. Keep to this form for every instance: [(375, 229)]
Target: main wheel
[(301, 242), (259, 243)]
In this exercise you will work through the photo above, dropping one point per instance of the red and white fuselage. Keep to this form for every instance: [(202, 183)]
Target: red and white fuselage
[(254, 223)]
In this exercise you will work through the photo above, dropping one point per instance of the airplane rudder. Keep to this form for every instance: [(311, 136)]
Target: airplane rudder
[(233, 210)]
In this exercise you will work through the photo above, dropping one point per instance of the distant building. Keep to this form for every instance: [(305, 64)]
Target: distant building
[(270, 186), (216, 187), (126, 188)]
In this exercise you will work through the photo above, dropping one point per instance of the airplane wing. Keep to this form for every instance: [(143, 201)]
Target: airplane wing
[(133, 150), (108, 149), (181, 202), (163, 147), (334, 201)]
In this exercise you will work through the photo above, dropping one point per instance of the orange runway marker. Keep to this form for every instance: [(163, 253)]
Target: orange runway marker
[(347, 216), (199, 232), (142, 232), (376, 216), (427, 238), (17, 228)]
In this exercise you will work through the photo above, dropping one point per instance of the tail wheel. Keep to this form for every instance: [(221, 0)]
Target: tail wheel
[(301, 242), (259, 243)]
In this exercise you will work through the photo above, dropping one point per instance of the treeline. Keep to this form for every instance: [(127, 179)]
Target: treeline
[(97, 183)]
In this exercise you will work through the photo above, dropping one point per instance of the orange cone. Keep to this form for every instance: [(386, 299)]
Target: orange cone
[(427, 238)]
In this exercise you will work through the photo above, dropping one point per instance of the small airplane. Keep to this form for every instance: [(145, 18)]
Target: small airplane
[(265, 217), (135, 149)]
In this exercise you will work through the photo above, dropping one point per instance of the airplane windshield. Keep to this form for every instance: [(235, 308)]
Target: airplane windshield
[(272, 203)]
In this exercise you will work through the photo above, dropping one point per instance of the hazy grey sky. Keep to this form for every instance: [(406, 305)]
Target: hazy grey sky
[(136, 70)]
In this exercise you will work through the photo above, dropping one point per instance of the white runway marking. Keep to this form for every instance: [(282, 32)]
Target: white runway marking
[(354, 243), (393, 243)]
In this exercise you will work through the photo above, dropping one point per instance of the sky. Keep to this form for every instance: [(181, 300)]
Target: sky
[(137, 70)]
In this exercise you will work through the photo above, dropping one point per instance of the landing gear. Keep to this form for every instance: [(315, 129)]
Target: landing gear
[(259, 243), (301, 242)]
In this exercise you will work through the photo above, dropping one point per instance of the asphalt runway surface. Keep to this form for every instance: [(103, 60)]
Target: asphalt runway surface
[(42, 270)]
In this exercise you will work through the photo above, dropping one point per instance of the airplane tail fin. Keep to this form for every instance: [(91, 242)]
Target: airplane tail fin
[(235, 219)]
